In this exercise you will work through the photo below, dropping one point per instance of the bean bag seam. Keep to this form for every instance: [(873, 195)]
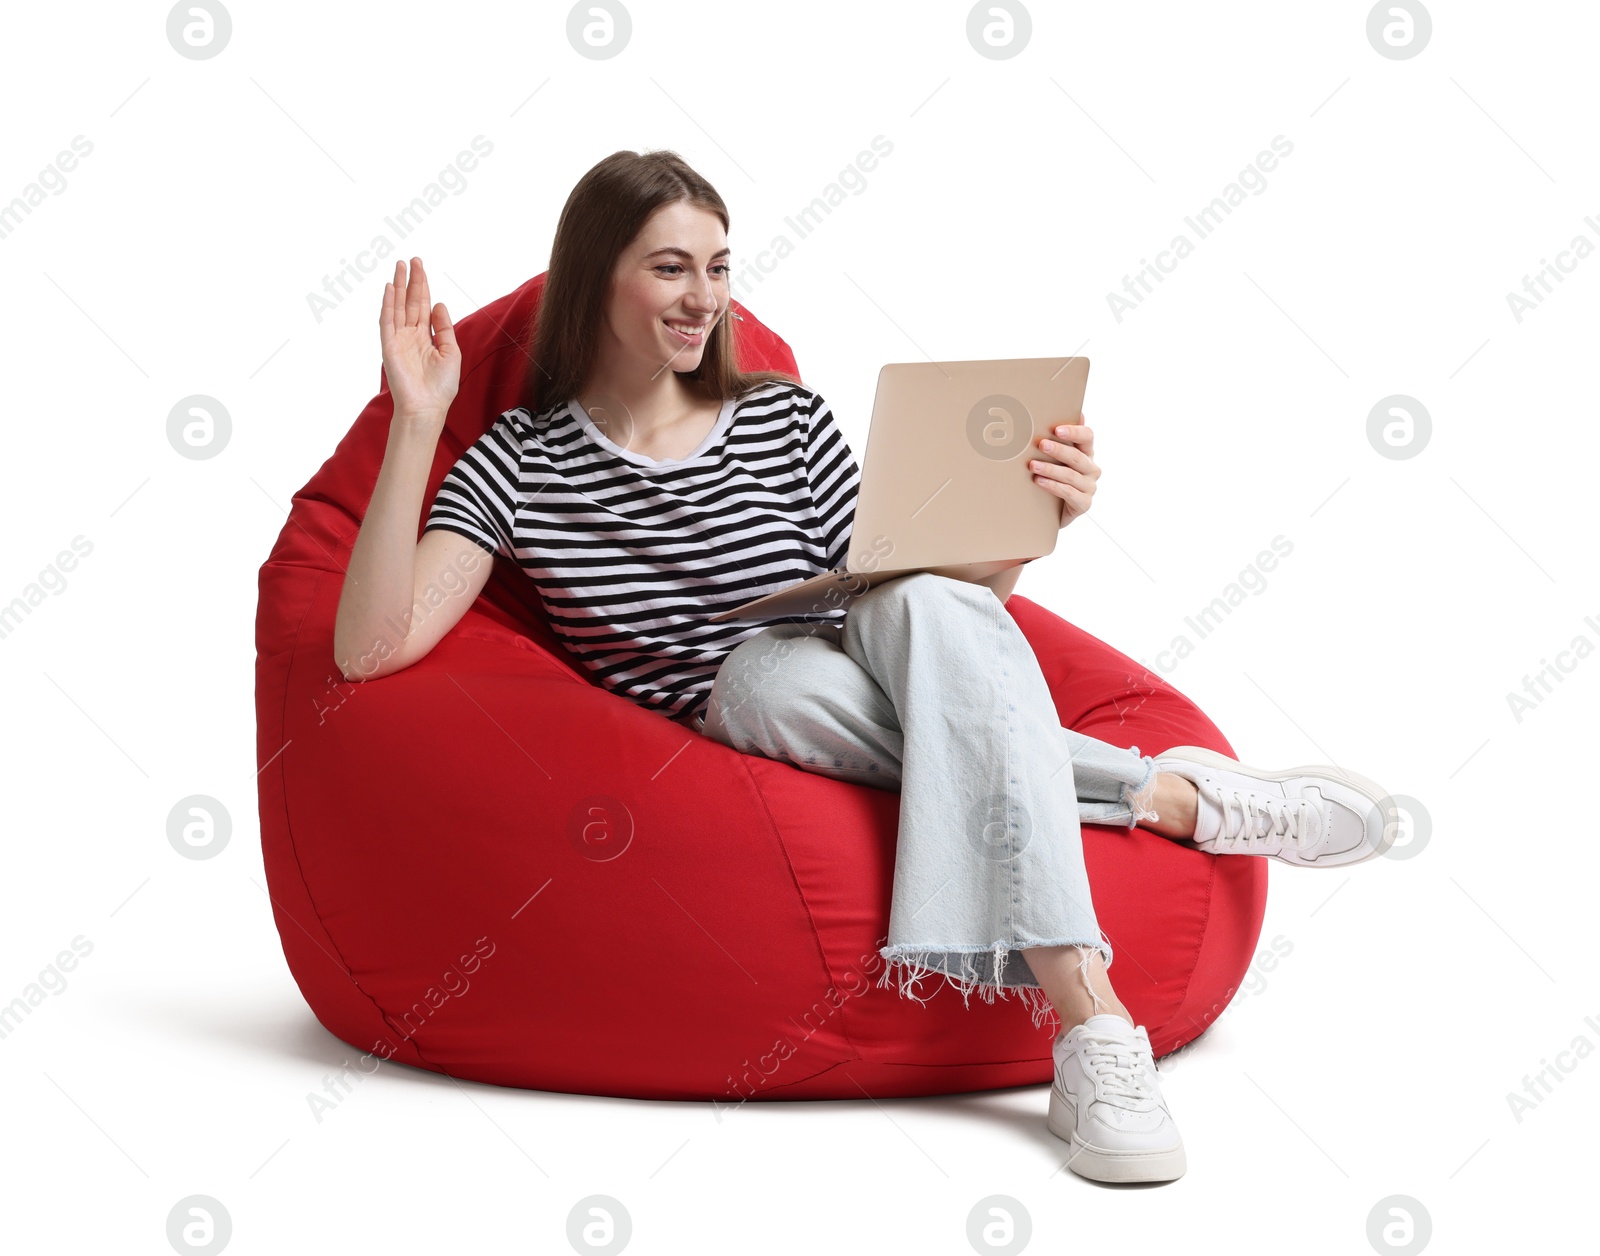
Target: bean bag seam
[(794, 877), (801, 1081), (1027, 1059), (294, 850)]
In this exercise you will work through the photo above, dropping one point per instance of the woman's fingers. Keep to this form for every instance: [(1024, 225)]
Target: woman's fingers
[(1070, 455), (1056, 473), (1077, 435), (417, 296), (386, 315), (1072, 445), (420, 353), (444, 330), (410, 290), (1076, 497), (399, 296), (405, 300)]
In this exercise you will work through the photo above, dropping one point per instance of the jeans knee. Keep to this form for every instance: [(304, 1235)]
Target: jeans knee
[(905, 594), (762, 686), (923, 586)]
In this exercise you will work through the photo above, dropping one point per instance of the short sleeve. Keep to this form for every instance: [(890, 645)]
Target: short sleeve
[(478, 497), (834, 478)]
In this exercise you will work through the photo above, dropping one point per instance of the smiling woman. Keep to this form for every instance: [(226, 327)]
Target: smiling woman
[(645, 479), (640, 269), (646, 482), (660, 287)]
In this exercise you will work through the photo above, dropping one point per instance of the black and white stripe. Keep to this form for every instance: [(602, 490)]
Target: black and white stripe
[(630, 556)]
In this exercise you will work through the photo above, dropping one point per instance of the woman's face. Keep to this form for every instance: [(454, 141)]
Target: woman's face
[(669, 287)]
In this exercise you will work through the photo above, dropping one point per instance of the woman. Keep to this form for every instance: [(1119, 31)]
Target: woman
[(645, 483)]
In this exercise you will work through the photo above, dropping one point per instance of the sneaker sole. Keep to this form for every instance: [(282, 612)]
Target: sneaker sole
[(1362, 853), (1103, 1165)]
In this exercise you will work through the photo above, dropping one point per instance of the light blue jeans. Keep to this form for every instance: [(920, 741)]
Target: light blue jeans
[(929, 688)]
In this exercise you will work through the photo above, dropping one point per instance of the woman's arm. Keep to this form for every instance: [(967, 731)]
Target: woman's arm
[(402, 595), (381, 582)]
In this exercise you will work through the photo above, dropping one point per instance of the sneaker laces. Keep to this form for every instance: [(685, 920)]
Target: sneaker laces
[(1251, 819), (1116, 1062)]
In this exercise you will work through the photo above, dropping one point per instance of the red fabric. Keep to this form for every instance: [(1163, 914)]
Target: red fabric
[(421, 838)]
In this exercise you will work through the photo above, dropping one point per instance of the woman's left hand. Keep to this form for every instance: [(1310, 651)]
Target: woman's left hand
[(1068, 469)]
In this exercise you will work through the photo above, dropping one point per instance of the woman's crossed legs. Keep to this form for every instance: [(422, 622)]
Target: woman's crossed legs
[(929, 688)]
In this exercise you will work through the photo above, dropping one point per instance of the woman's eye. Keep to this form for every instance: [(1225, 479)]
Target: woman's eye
[(720, 266)]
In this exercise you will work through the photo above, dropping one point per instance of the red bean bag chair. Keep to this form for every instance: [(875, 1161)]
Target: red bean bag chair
[(487, 866)]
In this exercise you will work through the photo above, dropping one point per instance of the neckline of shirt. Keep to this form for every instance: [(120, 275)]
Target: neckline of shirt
[(724, 418)]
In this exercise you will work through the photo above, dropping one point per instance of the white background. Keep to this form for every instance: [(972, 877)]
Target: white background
[(1230, 407)]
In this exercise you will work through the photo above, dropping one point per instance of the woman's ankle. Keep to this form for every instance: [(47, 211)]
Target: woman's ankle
[(1176, 803), (1105, 1008)]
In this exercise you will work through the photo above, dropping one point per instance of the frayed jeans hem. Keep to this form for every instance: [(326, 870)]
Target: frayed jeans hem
[(912, 964)]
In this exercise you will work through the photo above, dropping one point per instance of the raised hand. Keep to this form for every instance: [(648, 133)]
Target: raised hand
[(421, 360)]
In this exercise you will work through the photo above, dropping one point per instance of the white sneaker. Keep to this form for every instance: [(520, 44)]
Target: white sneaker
[(1312, 817), (1107, 1103)]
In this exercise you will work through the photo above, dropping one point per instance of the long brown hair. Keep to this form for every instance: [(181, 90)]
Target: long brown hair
[(605, 211)]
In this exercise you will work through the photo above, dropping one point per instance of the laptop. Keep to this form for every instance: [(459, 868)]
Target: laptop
[(945, 485)]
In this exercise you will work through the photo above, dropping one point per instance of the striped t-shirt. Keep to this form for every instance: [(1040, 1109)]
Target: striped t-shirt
[(631, 555)]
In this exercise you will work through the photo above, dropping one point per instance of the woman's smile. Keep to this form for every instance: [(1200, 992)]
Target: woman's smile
[(689, 333)]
